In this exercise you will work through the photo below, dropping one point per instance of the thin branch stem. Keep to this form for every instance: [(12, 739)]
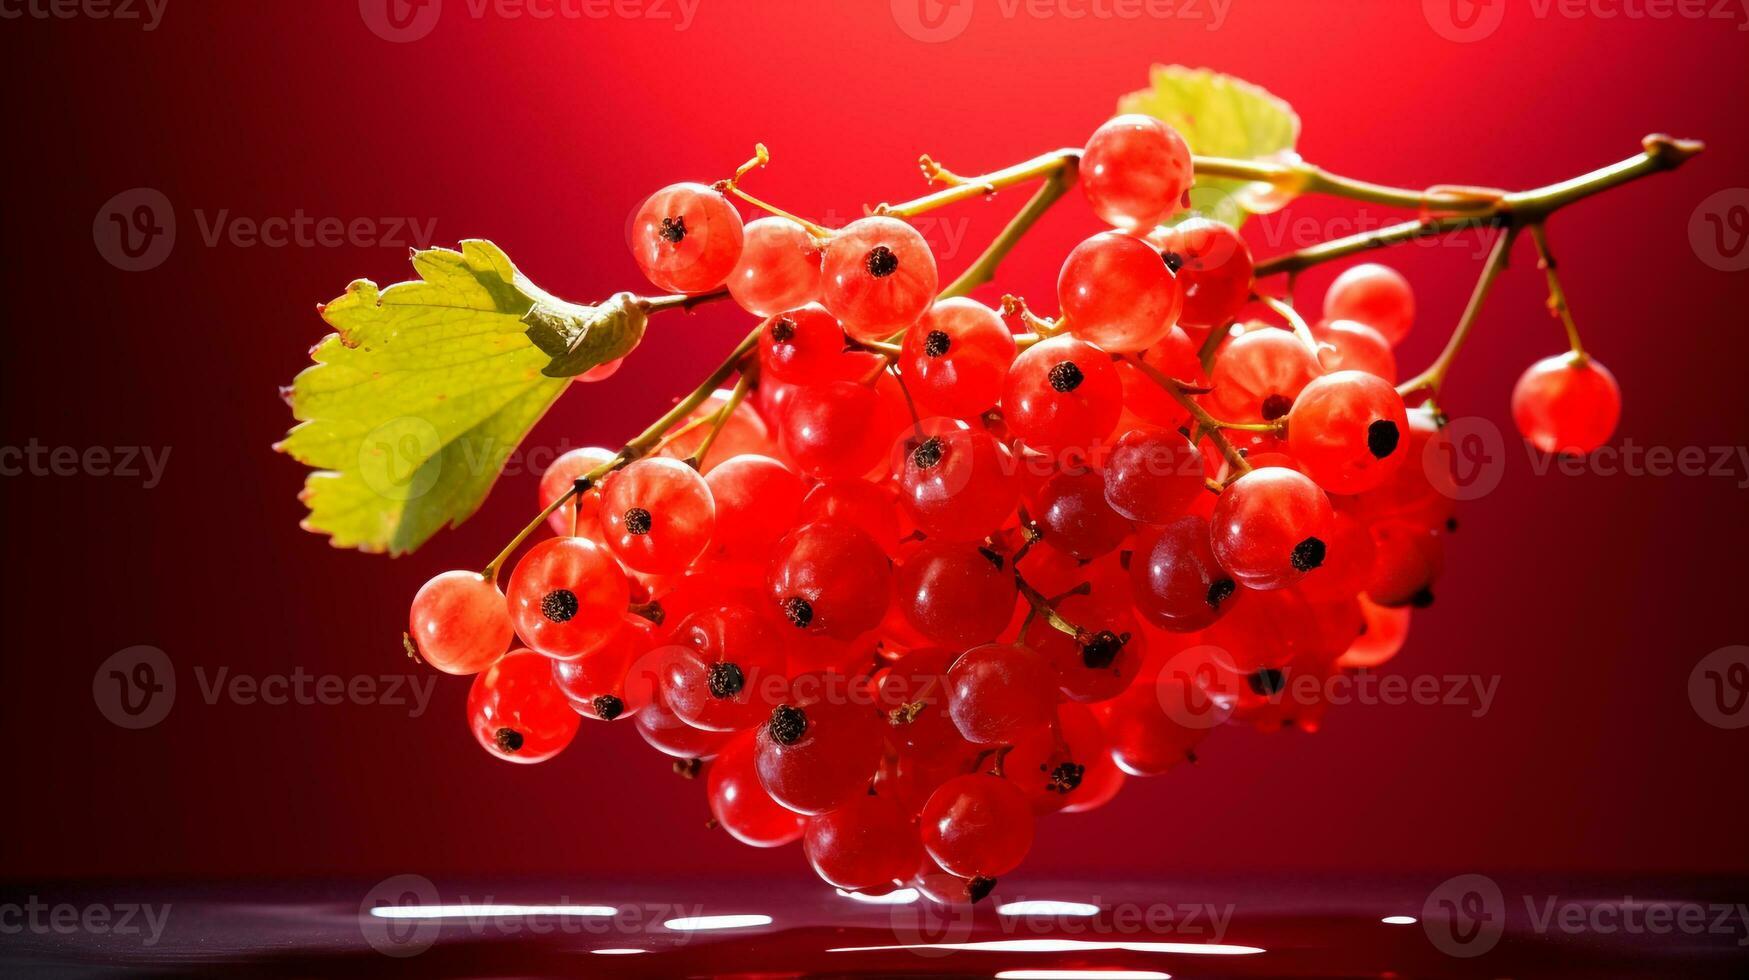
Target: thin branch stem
[(983, 269), (964, 188), (1557, 295), (1210, 426), (1294, 320), (721, 419), (1434, 376)]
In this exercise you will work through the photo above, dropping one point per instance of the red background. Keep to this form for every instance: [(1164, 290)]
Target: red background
[(1590, 598)]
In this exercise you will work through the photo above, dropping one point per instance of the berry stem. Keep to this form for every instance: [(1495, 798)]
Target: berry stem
[(1557, 295), (963, 188), (1516, 210), (1294, 320), (637, 447), (681, 301), (983, 269), (1434, 376), (1209, 425), (721, 419)]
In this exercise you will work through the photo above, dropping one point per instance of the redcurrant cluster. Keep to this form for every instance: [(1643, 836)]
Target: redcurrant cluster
[(952, 567)]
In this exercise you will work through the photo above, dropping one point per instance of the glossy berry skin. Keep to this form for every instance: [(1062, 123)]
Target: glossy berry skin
[(803, 345), (1258, 375), (957, 595), (1214, 269), (741, 806), (1563, 404), (1386, 632), (566, 597), (977, 826), (959, 484), (1144, 400), (1408, 559), (1176, 582), (1116, 291), (728, 671), (617, 680), (996, 692), (1344, 345), (1062, 393), (1271, 527), (914, 687), (779, 268), (657, 514), (827, 429), (516, 711), (757, 499), (830, 578), (667, 734), (1072, 511), (1154, 475), (459, 623), (869, 843), (687, 238), (814, 755), (955, 357), (1376, 295), (878, 278), (1100, 666), (1090, 749), (1349, 431), (586, 507), (1151, 729), (872, 507), (1135, 171)]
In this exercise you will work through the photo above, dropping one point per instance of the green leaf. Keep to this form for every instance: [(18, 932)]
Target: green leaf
[(413, 406), (1221, 116)]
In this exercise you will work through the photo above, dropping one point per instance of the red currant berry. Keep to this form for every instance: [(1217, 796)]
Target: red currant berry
[(1349, 431), (459, 622), (1072, 511), (958, 485), (608, 684), (757, 499), (1344, 345), (657, 514), (1214, 269), (977, 826), (803, 345), (585, 507), (741, 806), (1154, 475), (1062, 393), (667, 734), (516, 711), (566, 597), (955, 357), (830, 578), (1376, 295), (958, 595), (1385, 633), (873, 507), (687, 238), (1565, 404), (818, 753), (779, 267), (827, 429), (1099, 663), (1271, 527), (1258, 375), (869, 843), (1116, 291), (1135, 170), (1176, 581), (879, 277), (996, 692), (728, 671)]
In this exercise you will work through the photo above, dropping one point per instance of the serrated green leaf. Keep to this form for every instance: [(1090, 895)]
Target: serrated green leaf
[(413, 406), (1218, 115)]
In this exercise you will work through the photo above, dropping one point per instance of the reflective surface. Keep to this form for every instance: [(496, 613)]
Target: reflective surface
[(1434, 926)]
